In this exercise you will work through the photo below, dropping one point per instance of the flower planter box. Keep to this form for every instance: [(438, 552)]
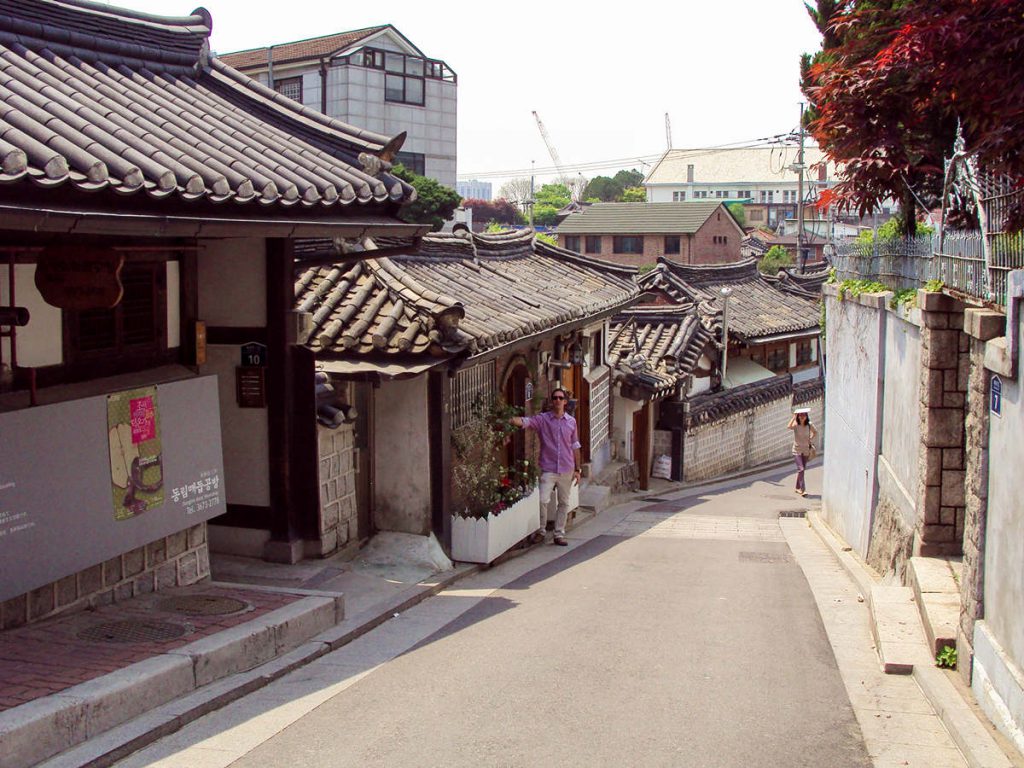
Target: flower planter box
[(482, 540)]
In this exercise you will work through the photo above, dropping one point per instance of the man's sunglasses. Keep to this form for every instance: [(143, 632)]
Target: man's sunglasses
[(558, 397)]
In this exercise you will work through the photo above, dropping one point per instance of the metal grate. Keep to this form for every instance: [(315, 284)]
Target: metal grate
[(793, 513), (471, 388), (204, 605), (764, 557), (134, 631)]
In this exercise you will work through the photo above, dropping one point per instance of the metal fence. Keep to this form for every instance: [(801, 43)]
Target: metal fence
[(958, 261)]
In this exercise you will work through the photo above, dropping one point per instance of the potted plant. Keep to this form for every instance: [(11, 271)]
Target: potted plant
[(496, 505)]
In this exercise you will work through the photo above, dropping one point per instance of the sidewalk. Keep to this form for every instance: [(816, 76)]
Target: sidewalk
[(95, 686)]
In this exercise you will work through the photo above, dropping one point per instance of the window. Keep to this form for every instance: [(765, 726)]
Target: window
[(803, 352), (778, 358), (672, 244), (755, 214), (627, 244), (593, 243), (405, 76), (413, 161), (290, 87), (130, 335), (572, 242), (678, 197)]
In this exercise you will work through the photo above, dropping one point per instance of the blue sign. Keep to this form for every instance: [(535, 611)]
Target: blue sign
[(996, 401)]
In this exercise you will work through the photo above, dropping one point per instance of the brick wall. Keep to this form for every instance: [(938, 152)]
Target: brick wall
[(707, 251), (338, 523), (699, 248), (177, 560)]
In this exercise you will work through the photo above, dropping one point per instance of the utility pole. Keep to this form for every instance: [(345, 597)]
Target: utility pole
[(800, 255), (530, 202)]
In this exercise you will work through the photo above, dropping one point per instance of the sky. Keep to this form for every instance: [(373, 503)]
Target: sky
[(602, 76)]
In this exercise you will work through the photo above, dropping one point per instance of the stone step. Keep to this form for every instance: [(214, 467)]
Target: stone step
[(596, 497), (938, 599), (896, 627)]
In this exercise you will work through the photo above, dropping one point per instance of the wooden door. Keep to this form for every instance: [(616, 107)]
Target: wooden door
[(581, 391), (515, 394), (642, 444)]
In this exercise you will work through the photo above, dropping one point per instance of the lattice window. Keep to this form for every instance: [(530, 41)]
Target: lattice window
[(470, 387)]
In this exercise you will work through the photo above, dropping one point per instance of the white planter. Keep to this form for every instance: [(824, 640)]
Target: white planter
[(482, 540)]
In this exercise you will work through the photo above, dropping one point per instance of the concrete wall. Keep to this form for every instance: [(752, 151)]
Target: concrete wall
[(999, 639), (855, 332), (402, 457), (622, 427), (232, 293)]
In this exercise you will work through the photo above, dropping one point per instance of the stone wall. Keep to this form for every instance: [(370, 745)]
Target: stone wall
[(338, 523), (177, 560), (944, 372)]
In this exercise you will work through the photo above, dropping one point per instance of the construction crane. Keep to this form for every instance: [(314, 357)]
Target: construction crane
[(575, 189), (668, 133)]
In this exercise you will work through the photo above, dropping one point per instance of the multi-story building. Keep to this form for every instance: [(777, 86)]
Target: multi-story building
[(764, 179), (474, 189), (638, 233), (374, 78)]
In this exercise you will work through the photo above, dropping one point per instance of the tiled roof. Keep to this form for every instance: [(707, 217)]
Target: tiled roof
[(458, 294), (757, 307), (313, 48), (653, 347), (807, 391), (737, 165), (102, 98), (640, 218), (802, 283), (712, 406)]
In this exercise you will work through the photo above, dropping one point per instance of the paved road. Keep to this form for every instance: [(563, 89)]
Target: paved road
[(683, 635)]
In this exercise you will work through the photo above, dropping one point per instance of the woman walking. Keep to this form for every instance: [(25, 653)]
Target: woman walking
[(803, 444)]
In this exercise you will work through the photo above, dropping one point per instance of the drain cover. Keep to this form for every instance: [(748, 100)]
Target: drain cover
[(764, 557), (793, 513), (204, 605), (133, 631)]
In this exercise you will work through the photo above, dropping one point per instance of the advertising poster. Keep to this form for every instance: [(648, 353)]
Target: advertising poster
[(136, 453)]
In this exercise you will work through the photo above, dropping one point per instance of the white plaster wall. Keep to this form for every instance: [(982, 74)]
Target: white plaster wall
[(232, 282), (41, 341), (173, 304), (622, 425), (1004, 562), (244, 432), (901, 420), (853, 382), (402, 457)]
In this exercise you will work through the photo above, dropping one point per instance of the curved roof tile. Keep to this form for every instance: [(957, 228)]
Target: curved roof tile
[(94, 98), (458, 293)]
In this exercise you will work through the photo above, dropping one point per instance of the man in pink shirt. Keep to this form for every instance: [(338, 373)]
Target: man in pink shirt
[(559, 461)]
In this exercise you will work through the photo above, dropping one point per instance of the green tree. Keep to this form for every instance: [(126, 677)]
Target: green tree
[(626, 179), (634, 195), (548, 201), (739, 213), (434, 203), (893, 229), (776, 258), (603, 188)]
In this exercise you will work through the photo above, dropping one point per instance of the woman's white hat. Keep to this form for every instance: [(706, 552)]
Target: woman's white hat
[(802, 410)]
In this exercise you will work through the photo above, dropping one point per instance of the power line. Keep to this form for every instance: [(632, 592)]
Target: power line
[(599, 165)]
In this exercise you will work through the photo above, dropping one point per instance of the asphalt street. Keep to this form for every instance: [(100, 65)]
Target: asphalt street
[(684, 634)]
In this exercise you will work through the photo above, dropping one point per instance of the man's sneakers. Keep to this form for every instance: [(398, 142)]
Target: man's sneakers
[(561, 541)]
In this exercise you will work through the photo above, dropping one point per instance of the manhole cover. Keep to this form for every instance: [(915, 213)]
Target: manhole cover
[(793, 513), (763, 557), (204, 605), (133, 631)]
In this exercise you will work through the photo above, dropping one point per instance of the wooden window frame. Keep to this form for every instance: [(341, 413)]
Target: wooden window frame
[(589, 244)]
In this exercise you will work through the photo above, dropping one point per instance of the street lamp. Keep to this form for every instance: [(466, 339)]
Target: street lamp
[(726, 292)]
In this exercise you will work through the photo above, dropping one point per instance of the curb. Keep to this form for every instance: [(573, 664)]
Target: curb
[(149, 724), (976, 744)]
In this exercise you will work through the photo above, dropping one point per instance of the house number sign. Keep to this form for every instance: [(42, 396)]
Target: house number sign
[(254, 354), (996, 399)]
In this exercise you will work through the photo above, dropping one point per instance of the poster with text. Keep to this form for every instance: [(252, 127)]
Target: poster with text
[(136, 455)]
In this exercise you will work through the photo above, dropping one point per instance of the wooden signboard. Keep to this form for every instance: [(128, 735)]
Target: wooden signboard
[(80, 278)]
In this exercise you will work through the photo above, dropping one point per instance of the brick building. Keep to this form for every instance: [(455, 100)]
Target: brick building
[(639, 233)]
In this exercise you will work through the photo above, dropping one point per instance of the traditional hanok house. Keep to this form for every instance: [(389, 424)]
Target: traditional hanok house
[(149, 197), (411, 340), (656, 353), (772, 329)]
